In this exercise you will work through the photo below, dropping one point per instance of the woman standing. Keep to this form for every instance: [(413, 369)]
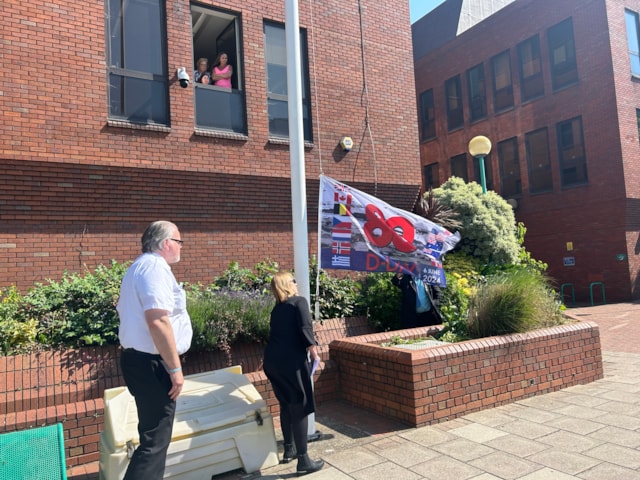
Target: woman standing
[(288, 369), (222, 71)]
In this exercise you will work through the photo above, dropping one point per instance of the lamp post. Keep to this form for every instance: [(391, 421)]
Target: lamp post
[(479, 147)]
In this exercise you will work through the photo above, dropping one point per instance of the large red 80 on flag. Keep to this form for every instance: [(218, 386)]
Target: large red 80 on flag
[(381, 232)]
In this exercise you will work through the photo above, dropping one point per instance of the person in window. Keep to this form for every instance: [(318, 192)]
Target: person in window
[(222, 71), (409, 317), (287, 367), (201, 74)]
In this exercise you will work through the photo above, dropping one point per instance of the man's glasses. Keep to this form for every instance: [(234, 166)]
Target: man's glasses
[(181, 242)]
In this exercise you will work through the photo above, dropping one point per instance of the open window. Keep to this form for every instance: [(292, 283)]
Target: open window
[(216, 32)]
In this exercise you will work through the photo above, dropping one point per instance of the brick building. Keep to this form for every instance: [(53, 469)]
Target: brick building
[(555, 85), (98, 138)]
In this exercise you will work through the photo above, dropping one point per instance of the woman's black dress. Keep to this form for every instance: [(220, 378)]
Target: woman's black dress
[(285, 358)]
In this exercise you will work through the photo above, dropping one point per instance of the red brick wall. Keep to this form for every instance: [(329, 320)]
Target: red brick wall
[(420, 387), (602, 219), (76, 192)]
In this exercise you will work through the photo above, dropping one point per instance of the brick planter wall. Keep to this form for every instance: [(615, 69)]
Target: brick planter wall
[(420, 387), (68, 386)]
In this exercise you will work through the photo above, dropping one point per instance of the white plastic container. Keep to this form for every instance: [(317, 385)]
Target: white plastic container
[(221, 424)]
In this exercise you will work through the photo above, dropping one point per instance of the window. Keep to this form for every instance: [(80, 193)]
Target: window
[(488, 172), (214, 33), (477, 93), (502, 85), (633, 30), (573, 164), (453, 92), (136, 61), (562, 55), (510, 181), (530, 67), (277, 99), (427, 116), (538, 161), (459, 167), (431, 176)]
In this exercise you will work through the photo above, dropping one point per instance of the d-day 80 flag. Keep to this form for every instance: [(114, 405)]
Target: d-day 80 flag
[(361, 232)]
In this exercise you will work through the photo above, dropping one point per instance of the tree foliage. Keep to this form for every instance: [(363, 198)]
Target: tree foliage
[(488, 223)]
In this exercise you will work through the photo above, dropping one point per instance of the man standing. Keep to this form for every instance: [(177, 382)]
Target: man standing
[(155, 330)]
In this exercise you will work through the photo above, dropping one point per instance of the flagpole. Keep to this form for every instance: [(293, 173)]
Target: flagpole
[(296, 150), (296, 155)]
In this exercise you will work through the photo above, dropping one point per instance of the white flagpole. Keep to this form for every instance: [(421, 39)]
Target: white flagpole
[(296, 150), (296, 154)]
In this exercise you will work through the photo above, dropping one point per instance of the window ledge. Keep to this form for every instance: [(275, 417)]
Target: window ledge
[(138, 126), (203, 132), (285, 141)]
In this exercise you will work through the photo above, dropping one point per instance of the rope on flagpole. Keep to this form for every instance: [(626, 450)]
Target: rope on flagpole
[(318, 123)]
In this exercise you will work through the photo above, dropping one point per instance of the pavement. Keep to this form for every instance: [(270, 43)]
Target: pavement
[(587, 432)]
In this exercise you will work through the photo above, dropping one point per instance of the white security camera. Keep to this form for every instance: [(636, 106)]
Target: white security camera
[(183, 76)]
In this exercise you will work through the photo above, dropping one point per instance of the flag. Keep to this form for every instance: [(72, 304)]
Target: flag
[(360, 232)]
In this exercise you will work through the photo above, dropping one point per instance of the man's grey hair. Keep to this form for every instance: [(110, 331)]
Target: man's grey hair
[(155, 234)]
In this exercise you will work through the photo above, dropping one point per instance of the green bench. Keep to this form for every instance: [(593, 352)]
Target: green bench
[(33, 454)]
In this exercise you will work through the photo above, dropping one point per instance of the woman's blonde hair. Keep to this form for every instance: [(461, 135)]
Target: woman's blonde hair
[(283, 286)]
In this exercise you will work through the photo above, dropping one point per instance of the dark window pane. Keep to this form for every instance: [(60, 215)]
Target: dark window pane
[(573, 162), (502, 83), (138, 76), (427, 116), (488, 171), (562, 54), (459, 167), (431, 176), (530, 67), (277, 93), (477, 93), (453, 91), (220, 109), (633, 32), (538, 161), (138, 100), (510, 181)]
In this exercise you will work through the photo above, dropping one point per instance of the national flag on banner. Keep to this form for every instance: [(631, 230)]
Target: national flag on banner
[(361, 232), (340, 247)]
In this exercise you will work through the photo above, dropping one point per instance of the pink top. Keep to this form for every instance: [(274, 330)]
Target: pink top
[(223, 82)]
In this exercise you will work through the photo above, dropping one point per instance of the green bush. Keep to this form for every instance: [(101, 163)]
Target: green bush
[(338, 297), (17, 333), (244, 279), (79, 310), (381, 301), (488, 224), (512, 302), (223, 316)]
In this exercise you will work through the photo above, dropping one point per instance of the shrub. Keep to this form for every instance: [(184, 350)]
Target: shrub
[(78, 310), (512, 302), (222, 316), (17, 334), (488, 223), (338, 297), (381, 301), (244, 279)]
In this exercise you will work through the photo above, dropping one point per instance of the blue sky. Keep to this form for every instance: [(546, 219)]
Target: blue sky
[(419, 8)]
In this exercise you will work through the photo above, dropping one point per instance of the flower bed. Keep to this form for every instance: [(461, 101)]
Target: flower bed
[(421, 387)]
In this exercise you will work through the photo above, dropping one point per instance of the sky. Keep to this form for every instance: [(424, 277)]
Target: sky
[(419, 8)]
